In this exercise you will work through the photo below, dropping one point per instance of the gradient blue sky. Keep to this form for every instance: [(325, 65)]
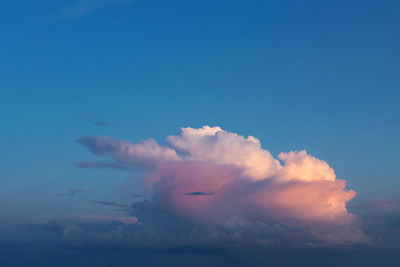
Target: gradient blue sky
[(316, 75)]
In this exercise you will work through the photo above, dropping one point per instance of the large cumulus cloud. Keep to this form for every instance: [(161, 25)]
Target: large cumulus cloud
[(234, 178)]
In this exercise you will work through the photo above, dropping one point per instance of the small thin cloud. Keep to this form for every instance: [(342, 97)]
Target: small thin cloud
[(102, 123), (86, 7), (96, 118), (110, 203), (382, 205), (100, 165), (199, 194), (71, 192), (92, 218)]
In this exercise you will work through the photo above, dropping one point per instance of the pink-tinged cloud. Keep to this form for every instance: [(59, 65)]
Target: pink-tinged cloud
[(246, 182)]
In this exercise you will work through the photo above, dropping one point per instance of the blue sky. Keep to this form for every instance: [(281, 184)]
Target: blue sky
[(316, 75)]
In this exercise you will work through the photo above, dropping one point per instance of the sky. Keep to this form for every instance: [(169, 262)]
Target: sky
[(246, 109)]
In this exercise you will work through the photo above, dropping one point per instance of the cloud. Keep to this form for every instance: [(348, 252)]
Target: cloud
[(110, 203), (215, 145), (100, 165), (381, 220), (72, 192), (86, 7), (102, 123), (92, 218), (391, 205), (246, 181), (199, 194), (146, 153), (93, 117), (87, 116)]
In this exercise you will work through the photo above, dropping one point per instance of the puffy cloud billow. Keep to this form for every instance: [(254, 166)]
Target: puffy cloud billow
[(212, 178)]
